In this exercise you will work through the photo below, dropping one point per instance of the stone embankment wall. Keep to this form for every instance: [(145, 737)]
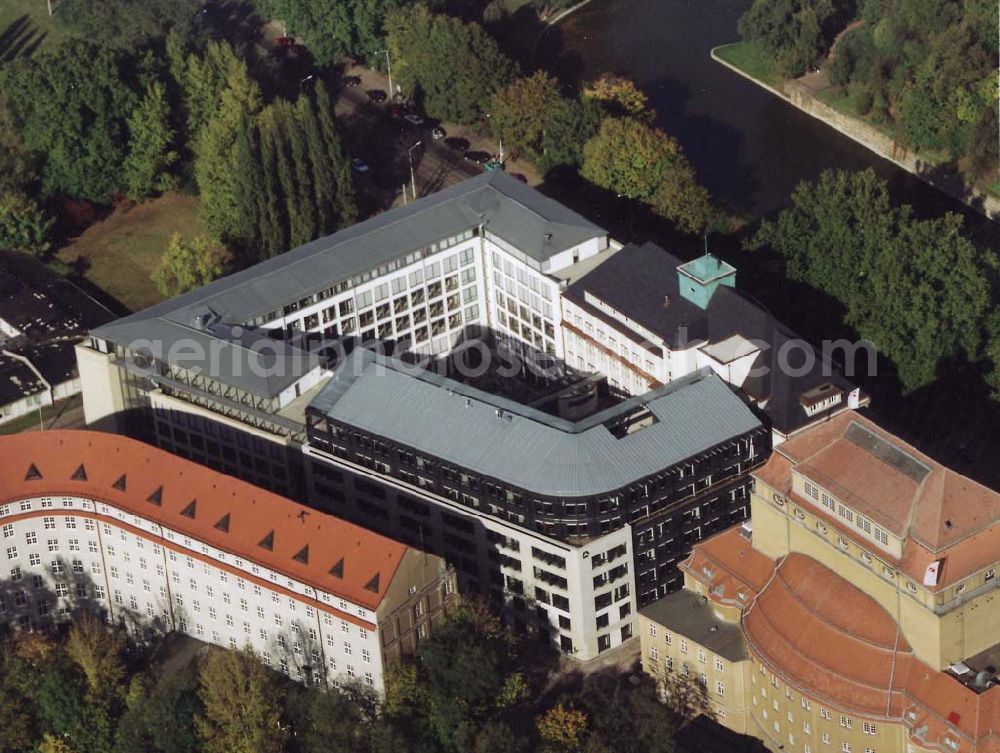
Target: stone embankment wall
[(803, 97)]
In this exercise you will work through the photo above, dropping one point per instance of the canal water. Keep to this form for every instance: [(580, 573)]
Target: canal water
[(750, 148)]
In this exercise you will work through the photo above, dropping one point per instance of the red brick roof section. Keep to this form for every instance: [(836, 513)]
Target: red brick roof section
[(219, 510)]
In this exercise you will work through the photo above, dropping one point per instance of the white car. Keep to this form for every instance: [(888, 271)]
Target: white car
[(359, 165), (413, 119)]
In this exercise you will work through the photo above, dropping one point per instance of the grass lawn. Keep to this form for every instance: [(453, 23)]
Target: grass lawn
[(119, 253), (30, 420), (750, 58), (995, 188), (25, 25)]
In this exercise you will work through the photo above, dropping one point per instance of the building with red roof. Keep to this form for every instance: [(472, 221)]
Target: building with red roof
[(154, 542), (863, 594)]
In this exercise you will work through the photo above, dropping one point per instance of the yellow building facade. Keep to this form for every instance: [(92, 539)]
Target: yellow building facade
[(856, 613)]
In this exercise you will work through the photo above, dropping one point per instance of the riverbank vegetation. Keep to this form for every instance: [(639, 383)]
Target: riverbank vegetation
[(88, 687), (923, 70), (919, 289)]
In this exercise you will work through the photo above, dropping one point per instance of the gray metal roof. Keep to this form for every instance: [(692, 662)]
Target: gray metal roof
[(526, 448), (247, 360), (531, 222), (691, 616)]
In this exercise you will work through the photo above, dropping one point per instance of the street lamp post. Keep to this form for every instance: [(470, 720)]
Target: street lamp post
[(413, 176), (388, 68)]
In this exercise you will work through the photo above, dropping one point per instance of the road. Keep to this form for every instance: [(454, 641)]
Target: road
[(383, 143)]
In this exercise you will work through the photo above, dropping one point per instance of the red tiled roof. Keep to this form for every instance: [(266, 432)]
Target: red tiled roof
[(219, 510), (944, 516), (836, 644)]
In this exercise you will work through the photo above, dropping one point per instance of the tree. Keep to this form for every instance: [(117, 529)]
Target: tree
[(796, 33), (918, 289), (330, 720), (568, 128), (499, 737), (562, 729), (151, 156), (332, 30), (636, 160), (216, 156), (127, 23), (187, 265), (17, 718), (160, 719), (71, 106), (242, 705), (97, 651), (50, 744), (202, 79), (464, 674), (453, 67), (619, 96), (521, 111), (24, 226)]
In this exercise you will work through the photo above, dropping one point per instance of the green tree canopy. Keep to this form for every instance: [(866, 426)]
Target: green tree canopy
[(242, 703), (521, 111), (568, 128), (796, 33), (71, 106), (24, 226), (335, 28), (636, 160), (453, 67), (189, 264), (127, 23), (919, 289), (151, 158)]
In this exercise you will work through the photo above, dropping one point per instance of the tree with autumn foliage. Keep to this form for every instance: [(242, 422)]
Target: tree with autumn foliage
[(242, 702), (619, 96), (522, 110), (562, 729), (638, 161)]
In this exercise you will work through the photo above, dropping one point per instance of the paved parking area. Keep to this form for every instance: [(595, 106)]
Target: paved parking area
[(383, 143)]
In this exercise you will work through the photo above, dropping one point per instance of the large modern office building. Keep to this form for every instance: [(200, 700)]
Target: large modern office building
[(98, 522), (857, 612), (546, 487)]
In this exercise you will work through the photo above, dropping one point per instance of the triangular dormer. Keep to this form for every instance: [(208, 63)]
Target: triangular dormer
[(337, 571)]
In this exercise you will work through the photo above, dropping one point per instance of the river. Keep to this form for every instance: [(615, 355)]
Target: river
[(750, 148)]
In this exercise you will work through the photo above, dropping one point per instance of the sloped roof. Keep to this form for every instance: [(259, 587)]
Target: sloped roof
[(837, 645), (524, 447), (531, 222), (938, 513), (641, 282), (208, 506)]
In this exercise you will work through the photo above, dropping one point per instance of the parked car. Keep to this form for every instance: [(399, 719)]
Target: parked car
[(519, 176), (438, 133), (414, 119), (377, 95), (477, 157), (351, 82), (458, 144), (359, 166)]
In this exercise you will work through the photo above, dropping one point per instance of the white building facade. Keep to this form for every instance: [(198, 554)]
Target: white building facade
[(66, 552)]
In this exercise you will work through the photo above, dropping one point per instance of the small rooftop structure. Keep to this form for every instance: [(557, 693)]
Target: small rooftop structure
[(701, 277)]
